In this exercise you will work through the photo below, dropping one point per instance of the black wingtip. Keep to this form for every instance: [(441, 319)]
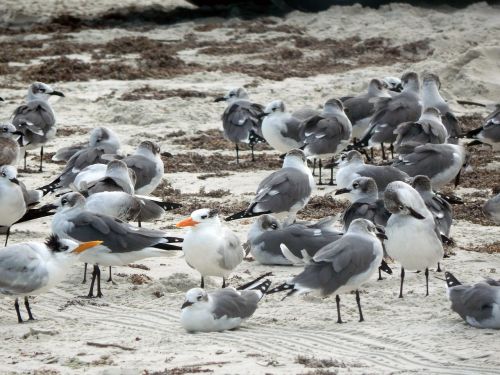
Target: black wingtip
[(385, 267), (451, 198), (250, 283), (415, 214), (263, 287), (451, 280), (167, 206), (174, 239), (254, 138), (50, 188), (282, 288), (37, 213), (244, 214), (447, 240), (166, 246)]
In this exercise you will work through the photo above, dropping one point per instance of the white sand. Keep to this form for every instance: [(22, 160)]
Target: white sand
[(412, 335)]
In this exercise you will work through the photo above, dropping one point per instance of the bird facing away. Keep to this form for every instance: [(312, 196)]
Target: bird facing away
[(9, 147), (341, 267), (221, 309), (266, 235), (281, 129), (489, 133), (285, 191), (241, 119), (33, 268), (35, 119), (478, 304), (412, 239), (210, 247)]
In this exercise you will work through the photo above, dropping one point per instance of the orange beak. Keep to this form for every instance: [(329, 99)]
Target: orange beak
[(189, 222), (85, 246)]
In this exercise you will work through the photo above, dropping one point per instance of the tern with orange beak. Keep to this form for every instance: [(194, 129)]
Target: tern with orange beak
[(33, 268), (209, 247)]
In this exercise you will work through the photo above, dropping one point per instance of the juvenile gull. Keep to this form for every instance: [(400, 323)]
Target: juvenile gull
[(393, 84), (412, 239), (285, 191), (489, 133), (266, 235), (478, 304), (352, 165), (36, 119), (241, 119), (440, 162), (366, 203), (281, 129), (221, 309), (327, 134), (122, 243), (117, 177), (341, 267), (432, 98), (9, 147), (210, 247), (492, 209), (33, 268)]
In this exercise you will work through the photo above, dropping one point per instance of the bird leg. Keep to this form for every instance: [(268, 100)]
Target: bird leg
[(439, 267), (94, 276), (320, 165), (426, 282), (28, 309), (223, 282), (337, 299), (99, 293), (379, 274), (331, 177), (202, 285), (251, 148), (391, 147), (457, 179), (7, 236), (18, 312), (314, 167), (85, 274), (402, 279), (358, 301), (237, 154), (41, 160), (110, 279), (383, 151), (25, 156)]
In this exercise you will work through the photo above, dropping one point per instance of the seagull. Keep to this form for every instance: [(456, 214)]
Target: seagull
[(122, 243), (9, 147), (489, 133), (266, 235), (366, 203), (281, 129), (36, 119), (412, 239), (478, 304), (390, 112), (431, 98), (327, 134), (360, 109), (352, 165), (116, 177), (428, 129), (12, 202), (210, 247), (285, 191), (341, 267), (440, 162), (241, 119), (393, 84), (221, 309), (492, 209), (33, 268), (102, 141)]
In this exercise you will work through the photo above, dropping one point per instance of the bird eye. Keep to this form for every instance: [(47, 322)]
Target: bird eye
[(64, 201), (204, 216), (64, 248), (232, 94), (4, 130), (199, 298), (355, 186), (3, 174), (401, 207), (274, 226)]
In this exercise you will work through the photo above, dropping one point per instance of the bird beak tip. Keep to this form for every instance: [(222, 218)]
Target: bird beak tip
[(186, 304)]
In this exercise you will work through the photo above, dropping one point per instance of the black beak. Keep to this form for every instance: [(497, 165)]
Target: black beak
[(17, 132), (381, 235), (15, 181), (186, 304), (220, 99), (262, 115), (167, 154), (1, 100), (48, 207), (342, 191), (58, 93), (415, 214)]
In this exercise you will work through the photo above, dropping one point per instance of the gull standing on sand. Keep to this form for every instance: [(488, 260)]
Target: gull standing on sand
[(36, 119), (327, 134), (390, 112), (241, 119), (9, 147), (478, 304), (412, 239), (489, 133), (266, 235), (222, 309), (352, 165), (360, 109), (432, 98), (210, 247), (366, 203), (121, 243), (341, 267), (281, 129), (492, 208), (282, 192), (440, 162), (33, 268)]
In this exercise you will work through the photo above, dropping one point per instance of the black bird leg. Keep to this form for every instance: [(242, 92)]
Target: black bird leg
[(383, 151), (439, 267), (426, 282), (392, 150), (331, 177), (18, 312), (457, 179), (320, 165), (314, 167), (110, 279), (379, 274), (358, 301), (237, 154), (28, 309), (99, 293), (7, 236), (94, 276), (85, 274), (223, 282), (372, 153), (251, 148), (402, 279), (41, 160), (337, 299), (202, 285)]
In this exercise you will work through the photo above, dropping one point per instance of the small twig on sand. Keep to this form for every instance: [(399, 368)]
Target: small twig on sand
[(99, 345)]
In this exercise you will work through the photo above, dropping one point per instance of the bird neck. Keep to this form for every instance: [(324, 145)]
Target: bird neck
[(412, 86), (431, 96), (293, 162)]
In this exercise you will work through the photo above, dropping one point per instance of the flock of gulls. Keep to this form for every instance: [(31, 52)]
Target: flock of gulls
[(397, 213)]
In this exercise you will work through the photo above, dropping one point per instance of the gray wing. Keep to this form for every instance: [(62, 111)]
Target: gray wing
[(293, 129), (65, 153), (375, 212), (420, 132), (115, 234), (474, 301), (322, 135), (228, 302), (358, 108), (145, 169), (79, 161), (491, 131), (239, 118), (336, 263), (442, 212), (428, 160), (104, 184), (31, 197), (450, 122), (20, 271), (231, 252), (383, 175), (34, 119), (279, 191)]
